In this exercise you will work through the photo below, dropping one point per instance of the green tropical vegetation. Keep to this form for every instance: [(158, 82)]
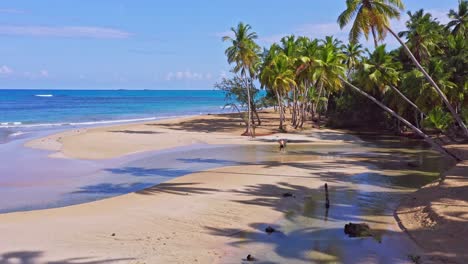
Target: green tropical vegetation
[(420, 87)]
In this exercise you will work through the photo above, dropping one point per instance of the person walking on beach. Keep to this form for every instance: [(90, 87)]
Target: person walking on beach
[(282, 144)]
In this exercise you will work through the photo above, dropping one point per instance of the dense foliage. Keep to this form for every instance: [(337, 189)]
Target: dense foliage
[(424, 81)]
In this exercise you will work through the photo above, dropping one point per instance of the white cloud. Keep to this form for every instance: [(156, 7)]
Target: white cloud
[(11, 11), (5, 70), (67, 32), (188, 75), (44, 73)]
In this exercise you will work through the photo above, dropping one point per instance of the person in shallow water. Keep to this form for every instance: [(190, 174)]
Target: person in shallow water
[(282, 144)]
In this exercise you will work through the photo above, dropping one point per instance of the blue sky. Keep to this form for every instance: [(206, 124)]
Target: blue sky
[(149, 44)]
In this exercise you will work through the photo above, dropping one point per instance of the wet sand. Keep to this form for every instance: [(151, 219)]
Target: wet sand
[(115, 141), (436, 216), (219, 215)]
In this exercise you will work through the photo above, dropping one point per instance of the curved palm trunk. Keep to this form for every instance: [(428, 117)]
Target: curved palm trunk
[(436, 87), (426, 138)]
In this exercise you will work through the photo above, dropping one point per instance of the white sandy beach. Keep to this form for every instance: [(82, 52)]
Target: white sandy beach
[(206, 217)]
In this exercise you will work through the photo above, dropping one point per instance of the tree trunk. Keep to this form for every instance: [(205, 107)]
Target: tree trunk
[(426, 138), (436, 87), (259, 121), (374, 36), (318, 102), (406, 99), (304, 106), (280, 110), (294, 112), (249, 129)]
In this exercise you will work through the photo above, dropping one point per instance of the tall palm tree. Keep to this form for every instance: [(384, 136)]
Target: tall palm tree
[(371, 16), (328, 66), (353, 53), (305, 73), (289, 46), (243, 52), (374, 16), (459, 21), (424, 35), (279, 77)]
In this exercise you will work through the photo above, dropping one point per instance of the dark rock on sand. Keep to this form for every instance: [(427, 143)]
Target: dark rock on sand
[(250, 258), (270, 230), (357, 230)]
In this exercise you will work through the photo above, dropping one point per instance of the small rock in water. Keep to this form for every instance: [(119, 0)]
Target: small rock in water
[(250, 258), (357, 230), (270, 230), (285, 195), (412, 164)]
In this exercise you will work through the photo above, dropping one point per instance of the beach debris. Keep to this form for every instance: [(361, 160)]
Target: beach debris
[(288, 194), (282, 144), (327, 199), (250, 258), (357, 230), (415, 259), (113, 234), (270, 230)]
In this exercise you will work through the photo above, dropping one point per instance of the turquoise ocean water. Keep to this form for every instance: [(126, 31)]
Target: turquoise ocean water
[(26, 110)]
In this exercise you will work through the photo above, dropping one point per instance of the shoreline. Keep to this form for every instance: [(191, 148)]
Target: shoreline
[(226, 206), (107, 142), (436, 215), (218, 216)]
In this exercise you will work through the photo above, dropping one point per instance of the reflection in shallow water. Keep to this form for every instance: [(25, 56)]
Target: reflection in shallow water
[(309, 232)]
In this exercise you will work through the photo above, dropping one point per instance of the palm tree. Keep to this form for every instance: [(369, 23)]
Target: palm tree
[(459, 18), (374, 16), (381, 71), (289, 46), (243, 52), (424, 35), (305, 74), (328, 67), (277, 75), (353, 53)]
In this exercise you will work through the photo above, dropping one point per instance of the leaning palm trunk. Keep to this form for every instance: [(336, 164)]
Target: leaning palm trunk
[(436, 87), (407, 100), (426, 138)]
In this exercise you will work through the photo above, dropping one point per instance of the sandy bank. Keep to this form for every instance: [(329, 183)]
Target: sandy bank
[(436, 216), (114, 141), (191, 219)]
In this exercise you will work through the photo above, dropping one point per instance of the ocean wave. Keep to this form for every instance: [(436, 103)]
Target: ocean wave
[(44, 95), (88, 123), (16, 134)]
